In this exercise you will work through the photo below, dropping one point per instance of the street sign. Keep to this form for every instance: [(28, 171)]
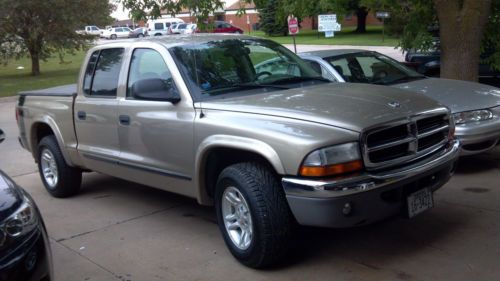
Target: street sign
[(327, 22), (293, 26), (382, 15)]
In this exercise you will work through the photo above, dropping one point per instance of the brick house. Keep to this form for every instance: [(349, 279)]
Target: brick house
[(251, 17)]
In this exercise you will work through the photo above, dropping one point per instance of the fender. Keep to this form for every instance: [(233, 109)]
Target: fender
[(228, 141), (47, 120)]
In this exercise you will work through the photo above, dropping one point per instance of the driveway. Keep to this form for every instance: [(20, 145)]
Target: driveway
[(116, 230)]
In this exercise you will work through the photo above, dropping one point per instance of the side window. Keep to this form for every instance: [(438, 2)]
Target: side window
[(158, 26), (147, 68), (167, 24), (107, 72)]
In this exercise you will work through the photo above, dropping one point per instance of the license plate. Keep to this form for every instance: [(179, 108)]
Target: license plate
[(419, 201)]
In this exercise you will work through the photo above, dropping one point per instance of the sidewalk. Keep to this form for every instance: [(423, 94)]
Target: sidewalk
[(392, 52)]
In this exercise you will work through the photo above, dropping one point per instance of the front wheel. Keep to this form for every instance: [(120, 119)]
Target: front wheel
[(113, 36), (59, 179), (253, 214)]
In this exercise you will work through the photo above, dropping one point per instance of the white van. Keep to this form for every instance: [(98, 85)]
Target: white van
[(159, 27)]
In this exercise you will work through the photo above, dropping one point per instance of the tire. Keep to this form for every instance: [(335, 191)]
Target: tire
[(59, 179), (262, 209), (113, 36), (140, 35)]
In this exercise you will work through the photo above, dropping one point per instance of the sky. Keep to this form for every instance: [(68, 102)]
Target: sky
[(119, 14)]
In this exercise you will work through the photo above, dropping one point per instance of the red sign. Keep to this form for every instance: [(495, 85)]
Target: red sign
[(293, 26)]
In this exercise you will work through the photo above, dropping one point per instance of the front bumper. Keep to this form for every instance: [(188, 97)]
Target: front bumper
[(478, 137), (371, 196)]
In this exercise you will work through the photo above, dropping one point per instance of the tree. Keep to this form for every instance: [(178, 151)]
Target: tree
[(146, 9), (461, 25), (48, 26), (272, 18)]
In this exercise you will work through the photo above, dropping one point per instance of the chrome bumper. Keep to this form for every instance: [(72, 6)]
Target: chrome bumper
[(472, 134), (321, 202)]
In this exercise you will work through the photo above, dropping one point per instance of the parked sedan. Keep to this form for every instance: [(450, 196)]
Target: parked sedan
[(24, 244), (138, 32), (116, 32), (178, 28), (476, 107), (224, 27)]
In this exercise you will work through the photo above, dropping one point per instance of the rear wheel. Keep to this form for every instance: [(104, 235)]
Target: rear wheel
[(59, 179), (253, 214)]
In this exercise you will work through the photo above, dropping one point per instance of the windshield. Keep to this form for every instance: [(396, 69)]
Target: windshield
[(373, 68), (241, 66)]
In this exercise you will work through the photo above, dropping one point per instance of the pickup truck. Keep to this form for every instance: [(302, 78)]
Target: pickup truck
[(268, 149), (90, 30)]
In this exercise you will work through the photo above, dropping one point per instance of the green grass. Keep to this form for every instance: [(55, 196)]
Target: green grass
[(372, 37), (53, 74)]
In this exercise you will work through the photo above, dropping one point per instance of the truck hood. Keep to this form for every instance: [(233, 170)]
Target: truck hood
[(456, 94), (350, 106)]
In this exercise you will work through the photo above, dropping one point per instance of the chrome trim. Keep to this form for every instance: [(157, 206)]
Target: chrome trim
[(431, 132), (412, 139), (369, 180)]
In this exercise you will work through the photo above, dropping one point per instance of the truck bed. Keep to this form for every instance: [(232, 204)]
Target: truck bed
[(59, 91)]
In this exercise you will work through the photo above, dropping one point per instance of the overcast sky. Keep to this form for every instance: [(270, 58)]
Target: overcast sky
[(119, 14)]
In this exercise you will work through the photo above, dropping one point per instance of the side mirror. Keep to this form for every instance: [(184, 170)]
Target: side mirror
[(2, 136), (155, 89)]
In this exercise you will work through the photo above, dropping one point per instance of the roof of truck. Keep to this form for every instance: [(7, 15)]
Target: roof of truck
[(182, 39)]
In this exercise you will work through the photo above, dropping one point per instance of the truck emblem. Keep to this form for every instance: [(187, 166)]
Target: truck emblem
[(394, 104)]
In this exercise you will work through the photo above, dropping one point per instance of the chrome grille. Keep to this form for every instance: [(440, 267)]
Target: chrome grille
[(405, 140)]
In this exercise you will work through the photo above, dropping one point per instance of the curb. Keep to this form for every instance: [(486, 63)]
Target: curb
[(8, 99)]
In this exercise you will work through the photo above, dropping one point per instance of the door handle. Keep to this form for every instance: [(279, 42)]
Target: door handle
[(82, 115), (124, 119)]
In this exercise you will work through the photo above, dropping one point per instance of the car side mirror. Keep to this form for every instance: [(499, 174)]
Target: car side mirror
[(2, 136), (156, 89)]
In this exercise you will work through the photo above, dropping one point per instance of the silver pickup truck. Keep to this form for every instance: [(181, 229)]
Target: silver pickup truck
[(191, 115)]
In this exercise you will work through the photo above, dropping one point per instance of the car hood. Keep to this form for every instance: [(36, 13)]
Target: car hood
[(350, 106), (10, 197), (456, 94)]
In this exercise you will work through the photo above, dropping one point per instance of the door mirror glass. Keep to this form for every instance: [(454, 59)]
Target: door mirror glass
[(155, 89), (2, 136)]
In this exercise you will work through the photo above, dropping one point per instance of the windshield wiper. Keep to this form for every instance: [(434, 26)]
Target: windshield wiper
[(405, 79), (242, 86), (296, 79)]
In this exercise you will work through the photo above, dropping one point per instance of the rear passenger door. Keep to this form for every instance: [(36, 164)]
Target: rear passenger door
[(96, 116)]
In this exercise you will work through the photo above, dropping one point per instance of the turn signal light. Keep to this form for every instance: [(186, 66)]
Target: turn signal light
[(331, 170)]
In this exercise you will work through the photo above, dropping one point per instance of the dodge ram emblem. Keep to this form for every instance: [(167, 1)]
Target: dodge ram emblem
[(394, 104)]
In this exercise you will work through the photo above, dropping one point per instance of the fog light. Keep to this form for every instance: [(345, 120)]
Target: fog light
[(347, 209)]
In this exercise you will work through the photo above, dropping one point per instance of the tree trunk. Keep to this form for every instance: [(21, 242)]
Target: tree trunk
[(361, 14), (461, 29), (35, 64)]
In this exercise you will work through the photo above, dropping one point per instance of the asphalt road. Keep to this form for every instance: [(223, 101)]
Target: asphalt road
[(115, 230)]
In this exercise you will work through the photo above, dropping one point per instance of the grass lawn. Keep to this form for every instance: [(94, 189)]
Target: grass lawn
[(53, 74), (372, 37)]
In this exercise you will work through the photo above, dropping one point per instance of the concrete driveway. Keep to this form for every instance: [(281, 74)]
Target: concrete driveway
[(115, 230)]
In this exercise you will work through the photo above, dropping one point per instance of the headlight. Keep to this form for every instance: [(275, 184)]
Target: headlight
[(334, 160), (472, 116), (21, 222)]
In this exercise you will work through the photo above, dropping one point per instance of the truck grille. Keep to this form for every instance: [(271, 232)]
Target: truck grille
[(405, 140)]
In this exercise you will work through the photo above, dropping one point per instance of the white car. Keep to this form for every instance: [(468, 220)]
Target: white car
[(190, 29), (178, 29), (116, 32)]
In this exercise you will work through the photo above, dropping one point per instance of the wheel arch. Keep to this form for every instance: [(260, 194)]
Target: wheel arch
[(42, 128), (219, 151)]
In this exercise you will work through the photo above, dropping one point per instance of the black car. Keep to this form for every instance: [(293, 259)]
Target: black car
[(24, 245), (138, 33), (429, 64)]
